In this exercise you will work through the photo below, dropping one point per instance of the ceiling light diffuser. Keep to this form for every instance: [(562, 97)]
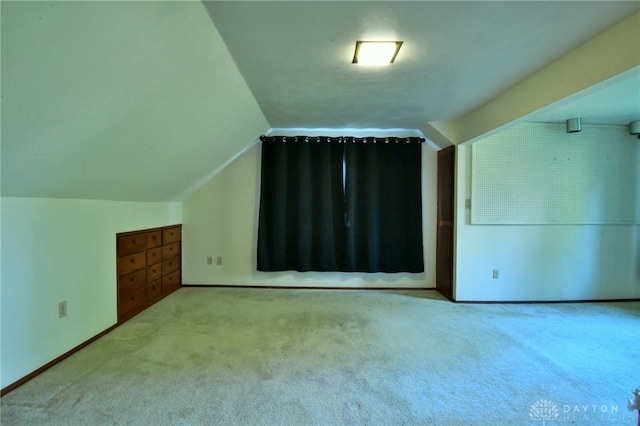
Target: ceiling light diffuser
[(376, 52)]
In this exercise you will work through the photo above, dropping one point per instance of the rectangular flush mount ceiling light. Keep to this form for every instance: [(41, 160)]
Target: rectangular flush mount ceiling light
[(376, 52)]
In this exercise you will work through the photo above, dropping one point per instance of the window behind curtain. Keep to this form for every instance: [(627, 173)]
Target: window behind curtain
[(301, 224), (383, 194), (340, 204)]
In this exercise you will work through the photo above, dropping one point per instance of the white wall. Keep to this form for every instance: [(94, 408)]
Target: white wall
[(542, 262), (221, 219), (55, 250), (129, 101)]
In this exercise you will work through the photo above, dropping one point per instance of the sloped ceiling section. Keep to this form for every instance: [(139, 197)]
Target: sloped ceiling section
[(457, 58), (597, 81), (130, 101)]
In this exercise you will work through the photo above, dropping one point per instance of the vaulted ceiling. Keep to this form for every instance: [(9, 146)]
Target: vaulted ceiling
[(131, 101), (456, 57), (144, 101)]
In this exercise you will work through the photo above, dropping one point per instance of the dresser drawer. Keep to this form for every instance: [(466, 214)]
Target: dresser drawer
[(171, 235), (154, 272), (128, 283), (154, 239), (154, 289), (149, 267), (171, 281), (132, 244), (170, 265), (131, 301), (170, 250), (133, 262), (154, 255)]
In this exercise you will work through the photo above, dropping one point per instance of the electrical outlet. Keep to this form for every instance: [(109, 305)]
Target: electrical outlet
[(219, 260), (209, 260), (62, 309), (496, 274)]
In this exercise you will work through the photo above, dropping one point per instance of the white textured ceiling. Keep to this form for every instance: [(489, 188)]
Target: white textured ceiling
[(457, 56), (134, 101), (144, 101)]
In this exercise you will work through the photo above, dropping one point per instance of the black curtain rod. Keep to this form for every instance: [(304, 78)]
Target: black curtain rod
[(340, 139)]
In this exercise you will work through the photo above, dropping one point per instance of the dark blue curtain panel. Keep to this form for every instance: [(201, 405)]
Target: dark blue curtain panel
[(340, 204)]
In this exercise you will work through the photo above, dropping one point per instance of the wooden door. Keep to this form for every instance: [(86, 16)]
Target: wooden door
[(445, 216)]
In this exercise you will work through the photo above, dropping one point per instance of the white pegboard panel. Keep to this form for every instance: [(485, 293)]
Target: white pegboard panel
[(537, 173)]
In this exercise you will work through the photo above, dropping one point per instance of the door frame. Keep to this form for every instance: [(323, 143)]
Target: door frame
[(445, 216)]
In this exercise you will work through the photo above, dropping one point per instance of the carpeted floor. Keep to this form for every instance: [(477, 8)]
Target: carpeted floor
[(228, 356)]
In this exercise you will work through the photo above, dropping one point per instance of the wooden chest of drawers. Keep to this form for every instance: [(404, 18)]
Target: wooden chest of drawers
[(149, 267)]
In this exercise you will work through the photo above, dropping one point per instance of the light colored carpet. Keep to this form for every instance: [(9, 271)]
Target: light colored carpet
[(319, 357)]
